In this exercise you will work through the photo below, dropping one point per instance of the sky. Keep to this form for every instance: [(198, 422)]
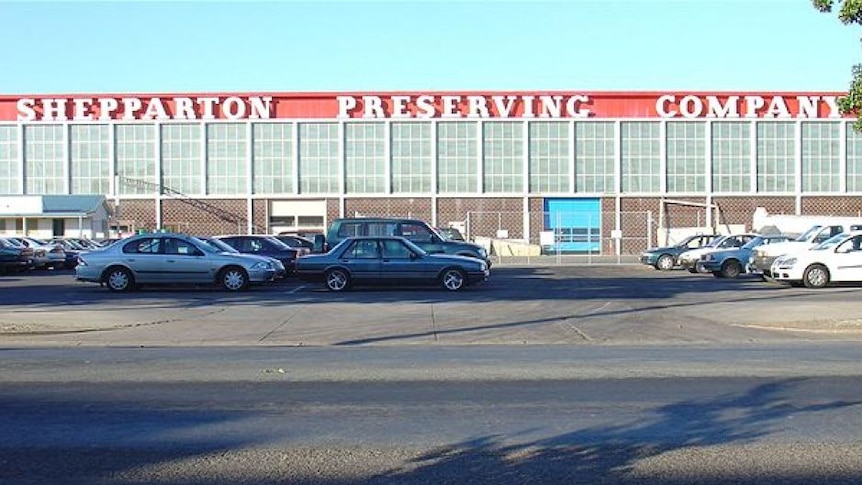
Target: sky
[(575, 45)]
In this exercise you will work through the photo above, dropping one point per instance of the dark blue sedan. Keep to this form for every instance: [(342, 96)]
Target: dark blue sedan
[(389, 260)]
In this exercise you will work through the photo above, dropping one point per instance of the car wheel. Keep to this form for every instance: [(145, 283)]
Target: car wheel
[(665, 262), (233, 278), (119, 279), (453, 279), (337, 280), (730, 269), (816, 276)]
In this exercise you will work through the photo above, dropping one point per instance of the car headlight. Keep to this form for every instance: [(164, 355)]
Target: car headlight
[(482, 253), (708, 257), (262, 265)]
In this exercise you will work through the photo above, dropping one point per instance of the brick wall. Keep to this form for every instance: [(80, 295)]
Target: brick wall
[(740, 210), (181, 216), (259, 212), (484, 216), (142, 213), (846, 206)]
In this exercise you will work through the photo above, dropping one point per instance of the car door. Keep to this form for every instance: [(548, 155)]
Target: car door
[(144, 257), (846, 264), (363, 259), (400, 263), (185, 263)]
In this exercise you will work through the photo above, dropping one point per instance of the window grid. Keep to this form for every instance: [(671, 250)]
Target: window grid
[(226, 162), (91, 159), (731, 156), (136, 157), (272, 155), (318, 158), (776, 159), (594, 157), (10, 173), (365, 160), (43, 159), (686, 155), (549, 157), (181, 157), (456, 157), (641, 156), (411, 157), (821, 145), (503, 155)]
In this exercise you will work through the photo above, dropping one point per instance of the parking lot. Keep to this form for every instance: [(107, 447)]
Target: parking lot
[(587, 304)]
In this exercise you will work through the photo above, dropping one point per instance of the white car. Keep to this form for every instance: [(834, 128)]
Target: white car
[(690, 258), (763, 257), (838, 259)]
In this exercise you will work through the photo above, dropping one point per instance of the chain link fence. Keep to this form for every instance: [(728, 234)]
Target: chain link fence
[(562, 238)]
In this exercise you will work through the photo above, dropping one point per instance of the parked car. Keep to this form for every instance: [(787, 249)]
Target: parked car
[(45, 254), (416, 231), (72, 249), (170, 258), (218, 244), (450, 233), (304, 245), (666, 258), (14, 256), (730, 263), (392, 260), (263, 245), (690, 258), (762, 258), (836, 260)]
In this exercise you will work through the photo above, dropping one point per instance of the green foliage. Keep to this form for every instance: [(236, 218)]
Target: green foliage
[(850, 13)]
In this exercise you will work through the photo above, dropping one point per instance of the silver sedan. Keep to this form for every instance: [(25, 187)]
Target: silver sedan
[(170, 258)]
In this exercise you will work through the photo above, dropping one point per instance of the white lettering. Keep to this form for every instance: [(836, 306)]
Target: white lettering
[(261, 107), (573, 107), (504, 105), (691, 106), (54, 110), (233, 108), (552, 106), (662, 103), (808, 106), (82, 109), (832, 102), (107, 108), (209, 107), (131, 106), (346, 104), (155, 110), (25, 109), (528, 107), (752, 105), (478, 107), (373, 107), (777, 108), (425, 106), (184, 109), (399, 107), (730, 109), (450, 106)]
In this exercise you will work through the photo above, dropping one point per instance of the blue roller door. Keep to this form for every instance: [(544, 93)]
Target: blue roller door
[(577, 224)]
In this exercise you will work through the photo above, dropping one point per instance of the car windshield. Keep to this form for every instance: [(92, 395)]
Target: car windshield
[(716, 242), (807, 234), (757, 241), (218, 245), (831, 242)]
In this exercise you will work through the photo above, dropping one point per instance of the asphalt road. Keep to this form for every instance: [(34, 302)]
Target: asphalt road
[(588, 374), (258, 415), (574, 305)]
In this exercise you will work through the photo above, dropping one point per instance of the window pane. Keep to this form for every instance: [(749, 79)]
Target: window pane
[(411, 157), (272, 153), (640, 157), (731, 156), (503, 157), (226, 160), (90, 146), (318, 158), (364, 157), (136, 158), (594, 157), (775, 157), (549, 157), (10, 172), (820, 157), (181, 157), (43, 159), (456, 157), (686, 156)]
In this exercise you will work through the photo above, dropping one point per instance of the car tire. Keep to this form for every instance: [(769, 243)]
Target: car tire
[(119, 279), (337, 280), (731, 269), (453, 279), (664, 262), (233, 278), (816, 276)]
